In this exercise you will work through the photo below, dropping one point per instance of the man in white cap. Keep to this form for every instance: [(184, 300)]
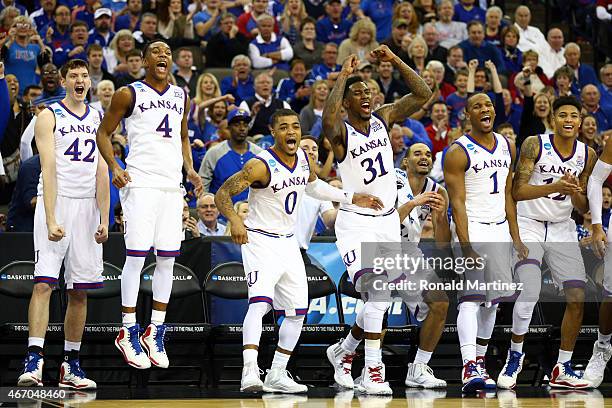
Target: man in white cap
[(102, 32)]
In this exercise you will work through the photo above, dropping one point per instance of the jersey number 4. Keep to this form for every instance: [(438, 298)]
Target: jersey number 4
[(164, 127), (73, 150), (370, 167)]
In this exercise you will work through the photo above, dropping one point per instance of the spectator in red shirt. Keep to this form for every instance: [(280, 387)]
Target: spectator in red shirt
[(438, 129), (247, 23)]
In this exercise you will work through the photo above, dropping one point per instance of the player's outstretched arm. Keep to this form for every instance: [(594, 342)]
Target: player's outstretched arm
[(420, 93), (522, 190), (120, 105), (579, 199), (254, 171), (192, 175), (600, 173), (333, 126), (45, 141), (103, 200), (455, 164), (321, 190), (522, 250)]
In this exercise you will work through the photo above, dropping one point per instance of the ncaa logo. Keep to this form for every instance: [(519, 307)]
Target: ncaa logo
[(178, 94), (272, 162), (59, 113), (349, 258), (470, 146), (252, 278), (3, 277), (214, 277), (547, 146), (147, 277), (580, 161)]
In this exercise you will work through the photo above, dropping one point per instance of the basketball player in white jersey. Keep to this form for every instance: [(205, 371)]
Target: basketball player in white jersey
[(273, 264), (477, 171), (365, 157), (547, 187), (151, 194), (602, 350), (70, 223)]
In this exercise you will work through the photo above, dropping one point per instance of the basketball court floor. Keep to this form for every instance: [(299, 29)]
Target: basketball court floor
[(178, 397)]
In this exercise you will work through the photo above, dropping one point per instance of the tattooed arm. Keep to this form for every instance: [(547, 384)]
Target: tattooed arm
[(333, 126), (410, 103), (254, 171), (511, 216), (522, 190), (579, 200)]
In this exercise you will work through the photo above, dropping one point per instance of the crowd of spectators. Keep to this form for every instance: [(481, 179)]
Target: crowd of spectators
[(240, 60)]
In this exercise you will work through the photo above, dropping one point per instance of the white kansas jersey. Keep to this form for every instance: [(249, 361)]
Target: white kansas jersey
[(412, 226), (154, 135), (273, 209), (76, 153), (485, 179), (549, 167), (368, 166)]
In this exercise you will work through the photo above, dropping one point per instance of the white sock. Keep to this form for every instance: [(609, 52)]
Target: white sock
[(36, 341), (158, 317), (350, 343), (564, 356), (603, 339), (518, 347), (422, 356), (372, 352), (481, 351), (280, 360), (249, 356), (128, 319), (467, 329), (72, 345)]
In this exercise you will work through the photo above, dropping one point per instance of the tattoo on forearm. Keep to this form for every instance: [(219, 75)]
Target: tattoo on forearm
[(529, 153), (331, 110)]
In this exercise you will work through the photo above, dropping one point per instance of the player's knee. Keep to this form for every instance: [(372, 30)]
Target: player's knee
[(42, 289), (524, 310), (376, 309), (260, 308), (439, 309), (469, 307), (77, 296), (574, 295)]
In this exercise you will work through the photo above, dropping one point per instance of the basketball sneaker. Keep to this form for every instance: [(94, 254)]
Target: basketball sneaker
[(373, 381), (422, 376), (564, 377), (511, 370), (153, 343), (594, 372), (250, 378), (471, 378), (342, 361), (489, 382), (73, 376), (128, 343), (32, 371), (279, 380)]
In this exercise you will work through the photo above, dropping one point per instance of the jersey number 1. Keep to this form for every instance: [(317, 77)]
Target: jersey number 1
[(164, 127)]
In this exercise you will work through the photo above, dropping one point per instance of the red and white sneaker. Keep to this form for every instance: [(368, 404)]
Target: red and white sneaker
[(489, 382), (128, 343), (31, 376), (373, 381), (471, 378), (153, 342), (564, 377), (342, 361), (72, 376)]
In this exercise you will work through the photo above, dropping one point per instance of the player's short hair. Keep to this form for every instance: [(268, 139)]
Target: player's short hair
[(469, 100), (280, 113), (145, 49), (73, 64), (503, 126), (352, 80), (94, 47), (566, 100), (409, 149), (310, 137), (133, 53)]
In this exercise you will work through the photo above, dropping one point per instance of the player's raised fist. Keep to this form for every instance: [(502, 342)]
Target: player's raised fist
[(56, 232), (101, 234), (120, 177), (382, 53), (195, 179), (350, 64), (367, 201), (239, 232), (521, 249)]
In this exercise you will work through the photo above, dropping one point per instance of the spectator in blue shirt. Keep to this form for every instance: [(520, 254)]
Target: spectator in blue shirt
[(206, 22), (475, 47), (229, 156), (102, 33), (457, 101), (85, 13), (466, 11), (22, 57), (512, 56), (76, 48), (57, 32), (52, 89), (512, 111), (584, 74), (294, 90), (380, 12), (332, 27), (605, 87), (131, 19), (21, 209), (44, 15), (328, 69), (590, 100), (240, 84), (269, 50)]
